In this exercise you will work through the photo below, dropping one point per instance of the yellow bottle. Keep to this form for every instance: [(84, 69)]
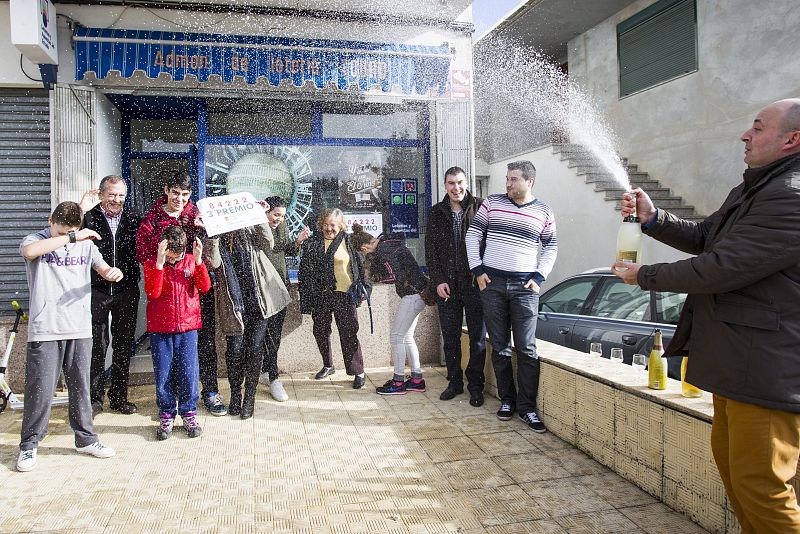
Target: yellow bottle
[(688, 390), (657, 364), (629, 241)]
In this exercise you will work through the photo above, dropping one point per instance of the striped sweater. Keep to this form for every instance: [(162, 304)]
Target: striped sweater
[(520, 239)]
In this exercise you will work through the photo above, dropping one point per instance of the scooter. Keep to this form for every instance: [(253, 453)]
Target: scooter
[(7, 397)]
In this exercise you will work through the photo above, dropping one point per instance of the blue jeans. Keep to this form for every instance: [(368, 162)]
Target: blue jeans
[(509, 307), (451, 313), (175, 365)]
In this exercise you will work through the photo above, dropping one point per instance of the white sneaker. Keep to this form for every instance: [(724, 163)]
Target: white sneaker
[(26, 460), (263, 378), (97, 449), (277, 391)]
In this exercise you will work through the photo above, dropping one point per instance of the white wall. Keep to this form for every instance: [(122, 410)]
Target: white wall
[(686, 132), (108, 144), (10, 73), (586, 224)]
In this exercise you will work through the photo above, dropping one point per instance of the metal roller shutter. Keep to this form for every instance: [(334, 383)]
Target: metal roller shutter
[(24, 183)]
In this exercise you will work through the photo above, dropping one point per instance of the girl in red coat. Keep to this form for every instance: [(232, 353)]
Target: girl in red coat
[(173, 281)]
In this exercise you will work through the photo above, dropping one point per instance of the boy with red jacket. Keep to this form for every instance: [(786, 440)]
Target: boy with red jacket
[(173, 281)]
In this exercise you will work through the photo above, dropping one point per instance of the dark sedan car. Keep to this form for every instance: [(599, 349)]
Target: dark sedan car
[(596, 306)]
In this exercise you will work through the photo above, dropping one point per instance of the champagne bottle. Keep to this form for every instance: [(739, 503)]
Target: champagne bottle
[(657, 365), (688, 390), (629, 241)]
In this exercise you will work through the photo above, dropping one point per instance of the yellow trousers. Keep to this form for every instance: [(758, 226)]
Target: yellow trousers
[(756, 450)]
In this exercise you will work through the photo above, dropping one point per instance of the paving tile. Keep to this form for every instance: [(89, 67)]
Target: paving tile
[(565, 497), (531, 466), (331, 460), (450, 449), (503, 443), (597, 523), (657, 518), (479, 473)]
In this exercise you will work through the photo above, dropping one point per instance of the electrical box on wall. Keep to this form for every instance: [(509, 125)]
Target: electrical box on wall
[(33, 30)]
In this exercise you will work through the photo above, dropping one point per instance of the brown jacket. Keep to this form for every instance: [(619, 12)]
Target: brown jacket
[(740, 325), (272, 293)]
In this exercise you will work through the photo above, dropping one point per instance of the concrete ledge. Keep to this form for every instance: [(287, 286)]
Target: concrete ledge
[(658, 440)]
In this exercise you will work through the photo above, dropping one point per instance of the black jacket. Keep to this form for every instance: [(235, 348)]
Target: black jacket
[(740, 325), (393, 262), (117, 252), (316, 277), (446, 260)]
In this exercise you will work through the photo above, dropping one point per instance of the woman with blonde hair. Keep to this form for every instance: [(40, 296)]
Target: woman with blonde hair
[(331, 279)]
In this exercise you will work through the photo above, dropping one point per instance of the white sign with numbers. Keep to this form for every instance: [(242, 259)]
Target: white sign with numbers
[(230, 212), (372, 222)]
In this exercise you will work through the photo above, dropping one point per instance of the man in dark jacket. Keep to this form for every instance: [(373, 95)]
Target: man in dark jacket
[(116, 225), (740, 325), (446, 259)]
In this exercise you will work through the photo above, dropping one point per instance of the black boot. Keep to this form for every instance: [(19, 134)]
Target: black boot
[(235, 377), (250, 386), (235, 406), (249, 403)]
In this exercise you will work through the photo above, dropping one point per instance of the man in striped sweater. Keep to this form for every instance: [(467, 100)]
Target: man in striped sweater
[(519, 232)]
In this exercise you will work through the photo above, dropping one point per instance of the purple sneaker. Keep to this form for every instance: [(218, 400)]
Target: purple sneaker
[(166, 422), (191, 425)]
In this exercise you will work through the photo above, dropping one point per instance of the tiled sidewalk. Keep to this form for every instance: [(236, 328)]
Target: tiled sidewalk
[(330, 460)]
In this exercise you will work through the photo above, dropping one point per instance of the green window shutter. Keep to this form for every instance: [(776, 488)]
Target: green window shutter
[(656, 45)]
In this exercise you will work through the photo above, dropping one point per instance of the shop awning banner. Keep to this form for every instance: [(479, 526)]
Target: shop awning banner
[(412, 69)]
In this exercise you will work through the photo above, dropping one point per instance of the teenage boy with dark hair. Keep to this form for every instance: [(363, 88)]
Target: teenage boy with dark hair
[(176, 209), (59, 261), (173, 281)]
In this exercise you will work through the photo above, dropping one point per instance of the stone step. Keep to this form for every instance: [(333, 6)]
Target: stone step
[(654, 194)]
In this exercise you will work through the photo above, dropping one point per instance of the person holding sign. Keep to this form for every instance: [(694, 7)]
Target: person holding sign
[(331, 275), (249, 292), (276, 214)]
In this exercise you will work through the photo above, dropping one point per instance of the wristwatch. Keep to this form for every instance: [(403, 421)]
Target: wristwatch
[(71, 235)]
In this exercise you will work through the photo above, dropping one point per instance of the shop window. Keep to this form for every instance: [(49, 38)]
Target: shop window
[(656, 45), (381, 187), (163, 135), (293, 125)]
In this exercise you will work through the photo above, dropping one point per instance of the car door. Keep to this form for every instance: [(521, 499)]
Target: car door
[(560, 306), (618, 315)]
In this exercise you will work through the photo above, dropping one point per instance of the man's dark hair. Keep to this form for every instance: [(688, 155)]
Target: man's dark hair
[(527, 168), (67, 214), (452, 171), (179, 180), (111, 179), (176, 239), (275, 202), (791, 119)]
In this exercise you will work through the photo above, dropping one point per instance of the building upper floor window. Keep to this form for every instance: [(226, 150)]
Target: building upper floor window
[(656, 45)]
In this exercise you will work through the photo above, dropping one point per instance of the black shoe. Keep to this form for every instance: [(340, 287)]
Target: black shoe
[(505, 412), (532, 420), (476, 398), (125, 408), (450, 393), (97, 407), (325, 371), (358, 382)]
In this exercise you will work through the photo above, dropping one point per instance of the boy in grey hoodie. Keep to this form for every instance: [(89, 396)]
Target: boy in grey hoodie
[(58, 261)]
